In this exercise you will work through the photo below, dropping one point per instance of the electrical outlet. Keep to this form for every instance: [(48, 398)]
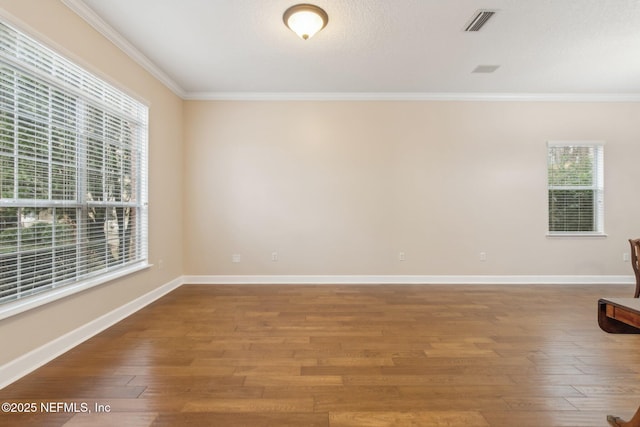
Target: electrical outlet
[(274, 256), (235, 258), (401, 256), (483, 256), (625, 256)]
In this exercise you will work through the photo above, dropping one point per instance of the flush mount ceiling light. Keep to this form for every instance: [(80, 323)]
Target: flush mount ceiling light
[(305, 19)]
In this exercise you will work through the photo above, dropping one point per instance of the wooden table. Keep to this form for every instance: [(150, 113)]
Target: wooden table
[(619, 315)]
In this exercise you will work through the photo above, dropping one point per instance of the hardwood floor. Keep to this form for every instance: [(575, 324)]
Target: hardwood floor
[(387, 355)]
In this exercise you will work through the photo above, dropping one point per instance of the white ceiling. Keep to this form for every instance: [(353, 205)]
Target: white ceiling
[(208, 49)]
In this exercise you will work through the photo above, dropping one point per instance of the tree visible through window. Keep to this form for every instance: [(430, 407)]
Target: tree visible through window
[(72, 172), (575, 177)]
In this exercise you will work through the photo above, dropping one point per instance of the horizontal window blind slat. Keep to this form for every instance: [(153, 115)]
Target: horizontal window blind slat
[(128, 109), (73, 172), (575, 187)]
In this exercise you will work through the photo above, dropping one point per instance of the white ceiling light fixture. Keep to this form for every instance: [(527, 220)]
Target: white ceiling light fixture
[(305, 19)]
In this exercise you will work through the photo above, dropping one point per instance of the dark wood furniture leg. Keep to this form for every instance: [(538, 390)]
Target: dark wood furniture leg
[(635, 263), (619, 422)]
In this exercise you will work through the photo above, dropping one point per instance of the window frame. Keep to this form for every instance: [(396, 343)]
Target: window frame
[(597, 186), (88, 91)]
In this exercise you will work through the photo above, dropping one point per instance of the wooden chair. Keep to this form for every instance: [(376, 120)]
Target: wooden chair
[(622, 315), (626, 321), (635, 262)]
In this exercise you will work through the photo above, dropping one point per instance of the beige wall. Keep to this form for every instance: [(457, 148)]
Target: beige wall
[(55, 24), (343, 187)]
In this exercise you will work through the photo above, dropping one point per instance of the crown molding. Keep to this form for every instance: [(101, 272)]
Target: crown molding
[(86, 13), (411, 96)]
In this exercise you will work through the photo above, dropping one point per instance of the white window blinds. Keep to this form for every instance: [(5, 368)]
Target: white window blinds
[(73, 178), (576, 187)]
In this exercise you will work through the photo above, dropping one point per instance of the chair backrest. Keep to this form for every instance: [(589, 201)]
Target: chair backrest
[(635, 262)]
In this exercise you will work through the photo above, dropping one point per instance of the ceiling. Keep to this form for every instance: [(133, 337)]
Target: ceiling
[(230, 49)]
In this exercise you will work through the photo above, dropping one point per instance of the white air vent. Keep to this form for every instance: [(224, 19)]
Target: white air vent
[(479, 19)]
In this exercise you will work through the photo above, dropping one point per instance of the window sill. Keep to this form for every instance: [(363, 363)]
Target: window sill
[(31, 302), (579, 235)]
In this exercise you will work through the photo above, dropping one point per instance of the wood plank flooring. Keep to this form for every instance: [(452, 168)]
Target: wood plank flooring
[(339, 356)]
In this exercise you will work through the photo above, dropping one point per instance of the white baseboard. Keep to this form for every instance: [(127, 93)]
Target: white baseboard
[(23, 365), (410, 280)]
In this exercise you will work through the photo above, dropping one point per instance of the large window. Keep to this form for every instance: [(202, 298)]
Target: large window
[(575, 177), (73, 184)]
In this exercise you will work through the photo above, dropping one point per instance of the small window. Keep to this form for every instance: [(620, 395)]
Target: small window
[(575, 187), (73, 176)]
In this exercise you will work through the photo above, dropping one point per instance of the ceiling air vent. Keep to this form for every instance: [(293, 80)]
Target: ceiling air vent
[(485, 69), (479, 19)]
